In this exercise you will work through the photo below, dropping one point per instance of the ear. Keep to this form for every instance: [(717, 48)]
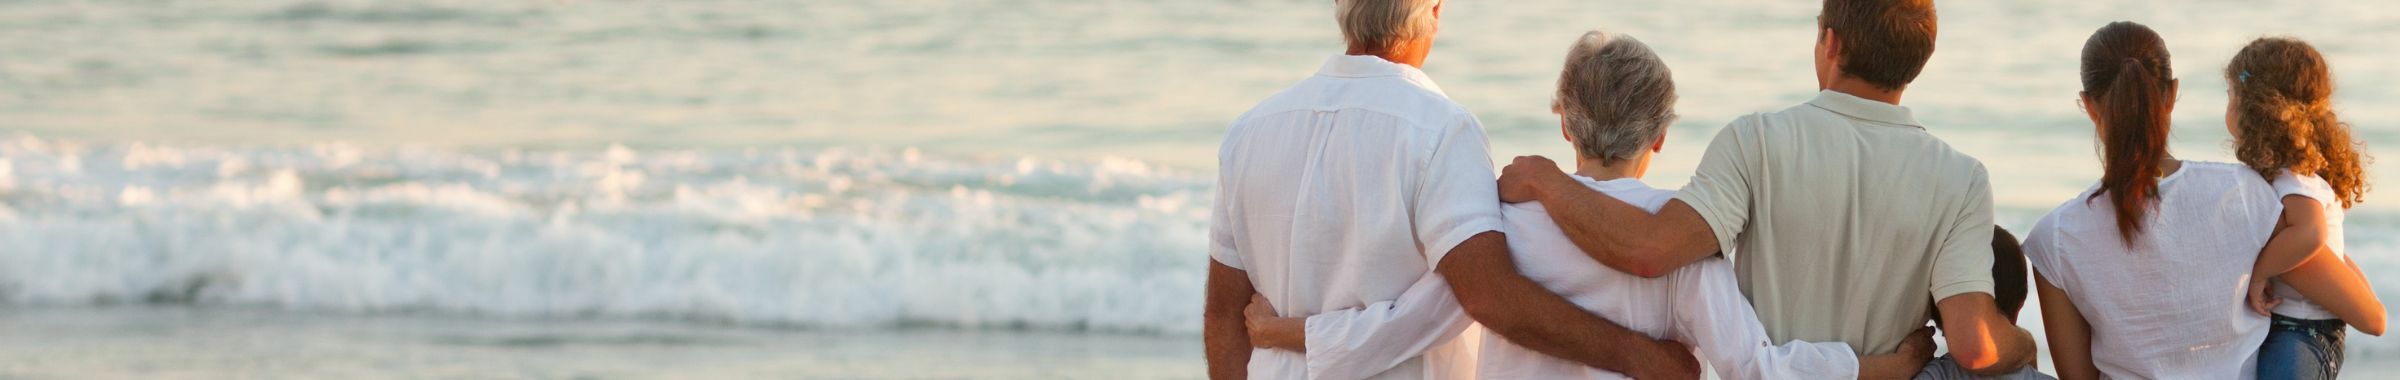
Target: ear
[(2085, 99), (1562, 132), (1833, 46), (2174, 86), (1659, 144), (1437, 9)]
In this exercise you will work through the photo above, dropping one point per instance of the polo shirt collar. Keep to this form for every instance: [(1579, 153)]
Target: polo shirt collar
[(1368, 66), (1857, 107)]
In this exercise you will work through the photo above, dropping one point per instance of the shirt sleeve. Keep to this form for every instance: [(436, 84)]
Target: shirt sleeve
[(2313, 187), (1712, 316), (1458, 195), (1964, 262), (1221, 240), (1720, 187), (1356, 343), (2040, 245)]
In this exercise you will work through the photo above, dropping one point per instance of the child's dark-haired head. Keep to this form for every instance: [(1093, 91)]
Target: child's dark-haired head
[(1882, 42), (2008, 275)]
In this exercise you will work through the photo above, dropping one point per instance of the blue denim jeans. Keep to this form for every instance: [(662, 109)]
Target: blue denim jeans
[(2302, 349)]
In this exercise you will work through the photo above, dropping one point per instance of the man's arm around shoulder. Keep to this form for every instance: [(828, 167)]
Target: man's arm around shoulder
[(1984, 342), (1491, 290), (1617, 234)]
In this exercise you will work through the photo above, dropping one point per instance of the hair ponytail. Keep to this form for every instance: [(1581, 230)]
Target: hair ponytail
[(2133, 140), (2126, 77)]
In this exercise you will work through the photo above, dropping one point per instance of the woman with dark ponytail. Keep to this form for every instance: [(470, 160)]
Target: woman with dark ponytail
[(2134, 273), (2279, 109)]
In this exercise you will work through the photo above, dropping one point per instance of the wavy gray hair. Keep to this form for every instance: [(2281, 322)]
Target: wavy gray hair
[(1380, 24), (1615, 96)]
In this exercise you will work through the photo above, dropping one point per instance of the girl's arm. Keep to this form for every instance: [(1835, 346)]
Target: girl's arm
[(2299, 236), (2070, 335), (2299, 256), (2339, 287)]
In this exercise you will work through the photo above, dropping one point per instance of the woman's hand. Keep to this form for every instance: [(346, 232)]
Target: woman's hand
[(1270, 331)]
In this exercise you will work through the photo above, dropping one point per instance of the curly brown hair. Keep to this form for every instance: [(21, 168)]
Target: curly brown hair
[(2283, 117)]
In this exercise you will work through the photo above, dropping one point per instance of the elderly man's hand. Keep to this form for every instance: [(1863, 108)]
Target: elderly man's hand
[(1522, 180)]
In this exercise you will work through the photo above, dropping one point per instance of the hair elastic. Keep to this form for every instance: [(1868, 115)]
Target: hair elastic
[(2245, 78)]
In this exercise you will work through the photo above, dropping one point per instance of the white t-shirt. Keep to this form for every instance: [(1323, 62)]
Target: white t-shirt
[(1339, 196), (2171, 306), (1700, 304), (2287, 184)]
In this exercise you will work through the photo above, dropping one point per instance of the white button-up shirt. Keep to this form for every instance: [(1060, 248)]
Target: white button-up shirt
[(1700, 304), (1339, 196)]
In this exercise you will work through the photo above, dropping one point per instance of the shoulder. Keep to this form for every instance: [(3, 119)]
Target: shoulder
[(2069, 216), (1648, 198), (2235, 179), (1414, 103), (1756, 122), (1295, 97), (2308, 185)]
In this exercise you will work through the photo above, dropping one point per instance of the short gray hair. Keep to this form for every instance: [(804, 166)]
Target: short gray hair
[(1379, 24), (1615, 96)]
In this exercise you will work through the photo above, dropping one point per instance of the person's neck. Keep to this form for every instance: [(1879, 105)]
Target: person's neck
[(1592, 167), (1860, 88), (1399, 54), (2168, 166)]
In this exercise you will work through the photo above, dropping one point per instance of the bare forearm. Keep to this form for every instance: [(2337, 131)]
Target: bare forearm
[(1228, 348), (1625, 237), (2339, 287), (1281, 333), (1892, 366), (2286, 251), (2070, 335), (1224, 335), (1983, 341), (2299, 237), (1529, 315)]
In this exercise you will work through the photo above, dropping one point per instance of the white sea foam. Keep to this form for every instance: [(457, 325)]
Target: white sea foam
[(839, 238), (835, 238)]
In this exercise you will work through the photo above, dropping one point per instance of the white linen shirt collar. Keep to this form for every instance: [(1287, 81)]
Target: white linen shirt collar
[(1368, 66)]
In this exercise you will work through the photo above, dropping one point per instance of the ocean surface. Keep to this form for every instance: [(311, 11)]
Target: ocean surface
[(848, 189)]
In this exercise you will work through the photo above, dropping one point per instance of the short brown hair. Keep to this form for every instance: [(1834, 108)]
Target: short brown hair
[(1885, 42), (2008, 273)]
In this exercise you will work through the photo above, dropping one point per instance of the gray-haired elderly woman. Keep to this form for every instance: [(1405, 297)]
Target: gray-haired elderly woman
[(1615, 100)]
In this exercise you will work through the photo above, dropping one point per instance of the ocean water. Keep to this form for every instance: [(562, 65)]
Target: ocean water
[(185, 186)]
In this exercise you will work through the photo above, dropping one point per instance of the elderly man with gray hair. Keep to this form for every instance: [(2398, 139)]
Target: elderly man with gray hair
[(1615, 100), (1355, 200)]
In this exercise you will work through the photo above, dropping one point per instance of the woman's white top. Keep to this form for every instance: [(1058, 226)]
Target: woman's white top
[(2287, 184), (1700, 304), (2171, 305)]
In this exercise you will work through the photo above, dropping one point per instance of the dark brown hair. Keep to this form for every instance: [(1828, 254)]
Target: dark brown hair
[(2008, 272), (1884, 42), (2128, 82), (2008, 277), (2283, 117)]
